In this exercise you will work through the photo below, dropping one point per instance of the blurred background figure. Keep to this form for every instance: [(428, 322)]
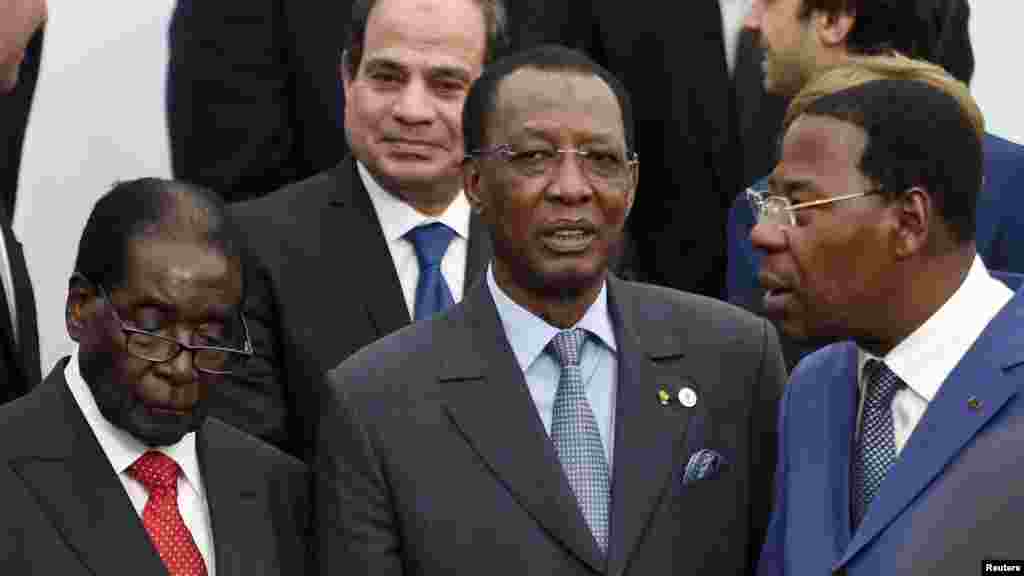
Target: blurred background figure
[(21, 34)]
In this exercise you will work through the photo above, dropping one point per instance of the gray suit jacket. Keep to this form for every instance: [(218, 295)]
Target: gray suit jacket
[(432, 458), (65, 511)]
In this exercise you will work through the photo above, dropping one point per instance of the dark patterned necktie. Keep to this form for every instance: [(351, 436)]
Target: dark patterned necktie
[(432, 292), (577, 439), (171, 538), (876, 445)]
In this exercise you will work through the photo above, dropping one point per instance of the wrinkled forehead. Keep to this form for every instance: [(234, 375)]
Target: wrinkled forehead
[(189, 273), (425, 34), (564, 101), (819, 146)]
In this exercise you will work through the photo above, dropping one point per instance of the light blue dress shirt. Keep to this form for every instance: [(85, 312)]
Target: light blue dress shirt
[(528, 335)]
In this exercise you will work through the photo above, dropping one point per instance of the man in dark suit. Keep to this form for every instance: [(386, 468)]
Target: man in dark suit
[(558, 420), (20, 41), (111, 465), (685, 134), (932, 30), (337, 256), (891, 436)]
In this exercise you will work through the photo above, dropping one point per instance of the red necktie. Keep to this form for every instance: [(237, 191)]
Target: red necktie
[(159, 474)]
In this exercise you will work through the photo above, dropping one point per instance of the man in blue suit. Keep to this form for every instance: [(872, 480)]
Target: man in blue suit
[(900, 443), (832, 32)]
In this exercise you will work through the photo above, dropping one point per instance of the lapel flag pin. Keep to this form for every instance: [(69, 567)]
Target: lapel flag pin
[(974, 403), (663, 397), (687, 397)]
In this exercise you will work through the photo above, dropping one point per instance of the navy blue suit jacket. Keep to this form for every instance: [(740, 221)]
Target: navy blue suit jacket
[(951, 499)]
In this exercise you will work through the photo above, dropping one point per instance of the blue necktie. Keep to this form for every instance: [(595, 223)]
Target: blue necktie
[(577, 439), (876, 446), (432, 293)]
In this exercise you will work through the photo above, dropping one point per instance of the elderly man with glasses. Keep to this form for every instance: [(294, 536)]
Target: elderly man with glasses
[(900, 446), (558, 420), (111, 464)]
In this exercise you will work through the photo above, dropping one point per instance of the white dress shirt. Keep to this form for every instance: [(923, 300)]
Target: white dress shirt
[(929, 354), (7, 281), (528, 335), (123, 449), (397, 218), (733, 14)]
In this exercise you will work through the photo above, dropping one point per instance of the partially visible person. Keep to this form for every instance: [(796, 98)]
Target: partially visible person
[(803, 38), (899, 446), (558, 420), (384, 238), (111, 465), (21, 21)]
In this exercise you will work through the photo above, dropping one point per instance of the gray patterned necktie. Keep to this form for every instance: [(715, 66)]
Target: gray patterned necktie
[(576, 437), (876, 446)]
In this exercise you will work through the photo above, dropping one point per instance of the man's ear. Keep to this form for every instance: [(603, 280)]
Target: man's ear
[(834, 29), (913, 219), (79, 308), (471, 186)]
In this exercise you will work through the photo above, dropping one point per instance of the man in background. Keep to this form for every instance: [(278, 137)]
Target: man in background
[(384, 238), (19, 339)]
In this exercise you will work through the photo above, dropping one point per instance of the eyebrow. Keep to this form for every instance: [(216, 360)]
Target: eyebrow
[(779, 186), (606, 138), (435, 72)]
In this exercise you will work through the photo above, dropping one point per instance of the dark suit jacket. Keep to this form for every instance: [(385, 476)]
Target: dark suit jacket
[(322, 285), (950, 500), (66, 512), (254, 94), (676, 73), (432, 458), (19, 359), (14, 113)]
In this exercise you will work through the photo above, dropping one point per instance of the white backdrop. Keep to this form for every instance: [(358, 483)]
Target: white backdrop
[(98, 118)]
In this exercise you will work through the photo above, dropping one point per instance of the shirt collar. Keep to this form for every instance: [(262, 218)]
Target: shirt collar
[(532, 333), (121, 448), (925, 358), (397, 217)]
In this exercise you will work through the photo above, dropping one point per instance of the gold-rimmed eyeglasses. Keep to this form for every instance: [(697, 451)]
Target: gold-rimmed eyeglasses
[(603, 168), (146, 345), (779, 210)]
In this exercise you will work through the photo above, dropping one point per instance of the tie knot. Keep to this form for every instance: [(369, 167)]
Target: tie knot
[(156, 471), (882, 383), (566, 346), (430, 242)]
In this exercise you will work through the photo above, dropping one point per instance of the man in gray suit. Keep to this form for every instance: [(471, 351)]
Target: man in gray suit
[(110, 465), (558, 420)]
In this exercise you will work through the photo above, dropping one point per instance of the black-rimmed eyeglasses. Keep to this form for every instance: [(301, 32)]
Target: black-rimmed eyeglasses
[(145, 345)]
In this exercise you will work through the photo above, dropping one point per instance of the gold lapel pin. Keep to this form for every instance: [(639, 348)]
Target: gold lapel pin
[(974, 403), (663, 397)]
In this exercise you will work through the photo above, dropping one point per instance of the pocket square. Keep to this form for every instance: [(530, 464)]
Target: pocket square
[(704, 464)]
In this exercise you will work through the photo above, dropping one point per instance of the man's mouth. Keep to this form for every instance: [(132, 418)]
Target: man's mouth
[(570, 238)]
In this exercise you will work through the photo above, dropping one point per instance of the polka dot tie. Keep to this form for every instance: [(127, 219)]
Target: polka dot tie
[(576, 437), (876, 446), (171, 538)]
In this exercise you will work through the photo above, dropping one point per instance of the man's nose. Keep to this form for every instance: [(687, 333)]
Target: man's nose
[(414, 104), (768, 237)]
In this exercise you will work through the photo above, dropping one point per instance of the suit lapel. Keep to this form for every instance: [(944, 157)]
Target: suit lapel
[(487, 397), (840, 391), (651, 439), (949, 423), (28, 337), (376, 269), (234, 494), (76, 488), (479, 253)]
